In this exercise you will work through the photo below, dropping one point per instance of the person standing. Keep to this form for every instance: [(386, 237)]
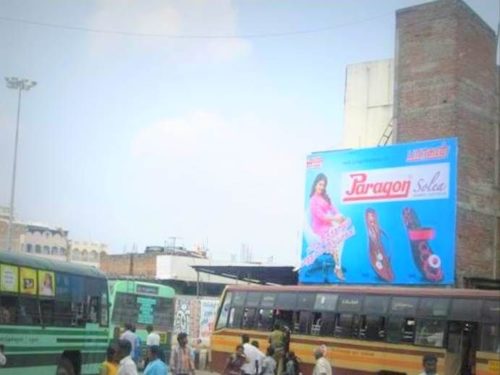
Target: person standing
[(137, 352), (153, 339), (110, 365), (277, 342), (429, 361), (251, 354), (181, 359), (155, 365), (260, 357), (269, 363), (127, 365), (322, 367), (130, 336)]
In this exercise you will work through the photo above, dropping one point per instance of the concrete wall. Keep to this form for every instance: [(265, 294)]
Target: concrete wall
[(169, 267), (368, 102), (445, 86)]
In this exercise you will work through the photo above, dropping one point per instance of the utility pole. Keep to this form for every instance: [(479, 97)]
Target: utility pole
[(19, 85)]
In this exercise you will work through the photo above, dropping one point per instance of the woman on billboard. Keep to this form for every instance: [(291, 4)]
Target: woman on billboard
[(328, 224)]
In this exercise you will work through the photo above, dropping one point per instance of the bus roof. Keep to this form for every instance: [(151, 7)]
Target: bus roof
[(150, 288), (360, 289), (49, 264)]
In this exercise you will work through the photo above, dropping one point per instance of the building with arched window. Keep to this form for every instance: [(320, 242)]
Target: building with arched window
[(87, 252), (45, 241)]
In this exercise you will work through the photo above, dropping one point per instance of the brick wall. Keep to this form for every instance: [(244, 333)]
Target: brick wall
[(141, 265), (445, 86)]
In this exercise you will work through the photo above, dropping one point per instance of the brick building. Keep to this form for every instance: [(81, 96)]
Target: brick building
[(446, 86)]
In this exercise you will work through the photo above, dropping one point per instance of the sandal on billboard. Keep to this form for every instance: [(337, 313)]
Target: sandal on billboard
[(427, 262), (379, 259)]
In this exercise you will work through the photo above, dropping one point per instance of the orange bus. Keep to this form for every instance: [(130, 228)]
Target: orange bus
[(367, 330)]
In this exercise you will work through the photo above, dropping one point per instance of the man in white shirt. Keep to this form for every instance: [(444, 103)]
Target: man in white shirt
[(130, 336), (260, 357), (127, 365), (322, 367), (252, 354), (153, 338)]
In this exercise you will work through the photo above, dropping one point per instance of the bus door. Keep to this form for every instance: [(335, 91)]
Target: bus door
[(463, 337), (461, 348)]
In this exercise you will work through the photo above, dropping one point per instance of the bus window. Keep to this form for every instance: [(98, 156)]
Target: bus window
[(248, 318), (350, 303), (104, 309), (305, 321), (28, 311), (47, 311), (268, 300), (305, 301), (62, 313), (8, 307), (491, 311), (224, 312), (490, 338), (347, 325), (253, 299), (235, 317), (327, 324), (265, 319), (286, 301), (430, 332), (465, 310), (372, 327), (400, 329), (403, 306), (239, 298), (325, 302), (433, 307)]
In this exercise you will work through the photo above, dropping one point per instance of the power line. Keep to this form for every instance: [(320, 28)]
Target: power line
[(191, 36)]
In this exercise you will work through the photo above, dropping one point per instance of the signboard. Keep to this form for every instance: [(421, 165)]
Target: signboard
[(46, 285), (9, 276), (147, 289), (381, 215), (28, 281), (208, 311), (146, 307)]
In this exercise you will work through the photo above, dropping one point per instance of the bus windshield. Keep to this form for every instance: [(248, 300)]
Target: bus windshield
[(143, 310)]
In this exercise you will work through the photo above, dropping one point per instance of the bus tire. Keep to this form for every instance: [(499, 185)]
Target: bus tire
[(65, 367)]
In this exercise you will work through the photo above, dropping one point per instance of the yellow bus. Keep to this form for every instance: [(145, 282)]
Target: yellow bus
[(367, 330)]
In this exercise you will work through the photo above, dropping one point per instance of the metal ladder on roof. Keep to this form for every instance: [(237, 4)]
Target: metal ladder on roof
[(387, 134)]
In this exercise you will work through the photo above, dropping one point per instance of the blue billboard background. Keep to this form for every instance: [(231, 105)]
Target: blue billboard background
[(386, 215)]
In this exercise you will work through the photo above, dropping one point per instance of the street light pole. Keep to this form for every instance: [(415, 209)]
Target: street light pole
[(19, 85)]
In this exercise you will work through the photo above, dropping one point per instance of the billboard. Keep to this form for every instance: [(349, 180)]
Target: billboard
[(381, 215)]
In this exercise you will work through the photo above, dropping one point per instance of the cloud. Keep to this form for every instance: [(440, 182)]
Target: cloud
[(184, 18)]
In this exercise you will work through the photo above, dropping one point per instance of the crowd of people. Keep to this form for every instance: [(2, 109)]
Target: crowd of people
[(248, 359), (124, 356)]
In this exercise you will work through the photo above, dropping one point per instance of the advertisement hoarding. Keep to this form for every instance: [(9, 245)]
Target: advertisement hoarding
[(382, 215)]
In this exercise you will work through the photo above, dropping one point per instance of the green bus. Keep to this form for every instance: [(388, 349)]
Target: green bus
[(141, 303), (53, 316)]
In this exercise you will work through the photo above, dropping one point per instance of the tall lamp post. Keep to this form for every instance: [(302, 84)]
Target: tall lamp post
[(18, 84)]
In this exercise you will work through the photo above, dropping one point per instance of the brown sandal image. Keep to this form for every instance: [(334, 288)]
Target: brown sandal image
[(379, 259)]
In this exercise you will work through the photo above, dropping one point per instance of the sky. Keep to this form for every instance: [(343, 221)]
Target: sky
[(189, 119)]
